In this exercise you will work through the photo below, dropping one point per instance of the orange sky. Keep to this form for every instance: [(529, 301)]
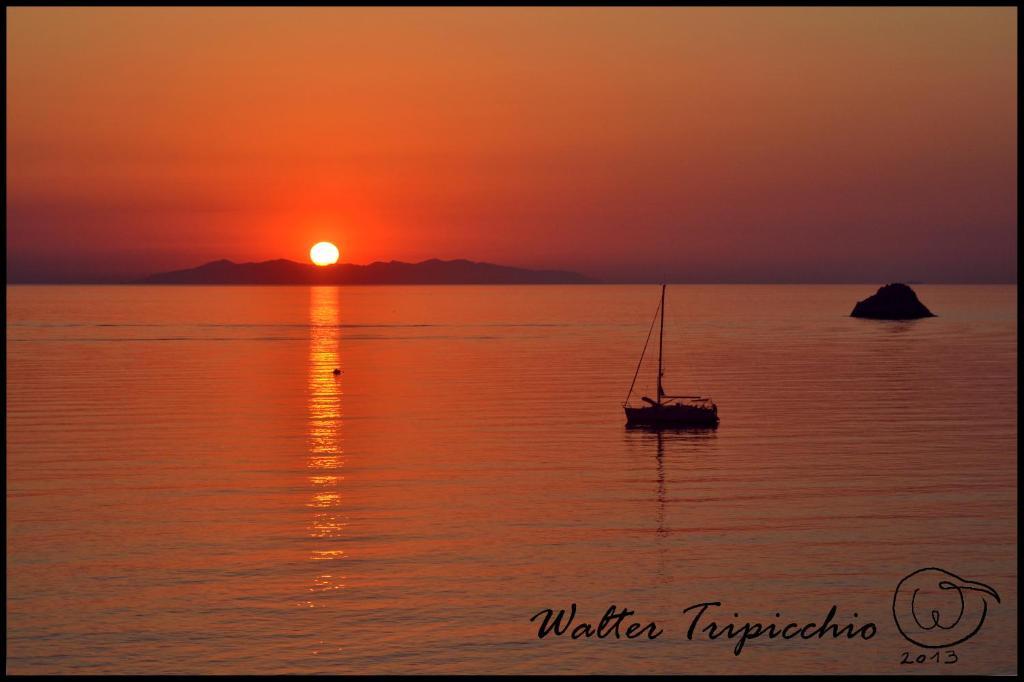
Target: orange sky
[(691, 144)]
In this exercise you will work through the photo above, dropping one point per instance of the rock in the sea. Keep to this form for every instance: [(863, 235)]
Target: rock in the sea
[(892, 302)]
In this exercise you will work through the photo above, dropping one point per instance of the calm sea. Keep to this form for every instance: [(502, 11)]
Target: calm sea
[(191, 489)]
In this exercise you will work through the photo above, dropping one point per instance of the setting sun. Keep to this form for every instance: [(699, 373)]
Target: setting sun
[(324, 253)]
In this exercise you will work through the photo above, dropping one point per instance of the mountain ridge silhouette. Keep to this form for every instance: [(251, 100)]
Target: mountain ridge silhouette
[(432, 271)]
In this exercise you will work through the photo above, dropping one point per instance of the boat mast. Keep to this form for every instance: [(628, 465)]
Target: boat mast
[(661, 337)]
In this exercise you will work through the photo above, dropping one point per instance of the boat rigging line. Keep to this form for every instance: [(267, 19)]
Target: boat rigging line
[(644, 352)]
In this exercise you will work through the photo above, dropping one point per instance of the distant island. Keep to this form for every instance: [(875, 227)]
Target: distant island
[(431, 271), (894, 301)]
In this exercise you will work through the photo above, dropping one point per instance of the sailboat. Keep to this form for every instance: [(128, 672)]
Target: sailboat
[(668, 411)]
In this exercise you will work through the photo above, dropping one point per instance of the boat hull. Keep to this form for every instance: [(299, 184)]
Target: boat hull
[(671, 416)]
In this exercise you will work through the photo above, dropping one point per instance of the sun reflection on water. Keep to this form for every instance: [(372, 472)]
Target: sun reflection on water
[(326, 460)]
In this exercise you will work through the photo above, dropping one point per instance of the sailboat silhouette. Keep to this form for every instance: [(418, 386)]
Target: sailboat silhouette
[(668, 411)]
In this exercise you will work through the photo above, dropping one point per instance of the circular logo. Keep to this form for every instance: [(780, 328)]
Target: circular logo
[(935, 609)]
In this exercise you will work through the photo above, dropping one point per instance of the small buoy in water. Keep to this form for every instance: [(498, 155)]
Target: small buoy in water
[(336, 371)]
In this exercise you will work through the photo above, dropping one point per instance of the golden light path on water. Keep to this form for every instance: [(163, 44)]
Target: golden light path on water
[(325, 447)]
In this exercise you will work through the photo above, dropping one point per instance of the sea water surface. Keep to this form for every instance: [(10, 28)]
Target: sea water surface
[(190, 489)]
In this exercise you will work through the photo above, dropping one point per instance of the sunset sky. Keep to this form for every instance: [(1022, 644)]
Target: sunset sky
[(690, 144)]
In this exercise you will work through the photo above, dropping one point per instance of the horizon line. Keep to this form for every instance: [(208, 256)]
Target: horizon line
[(138, 280)]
